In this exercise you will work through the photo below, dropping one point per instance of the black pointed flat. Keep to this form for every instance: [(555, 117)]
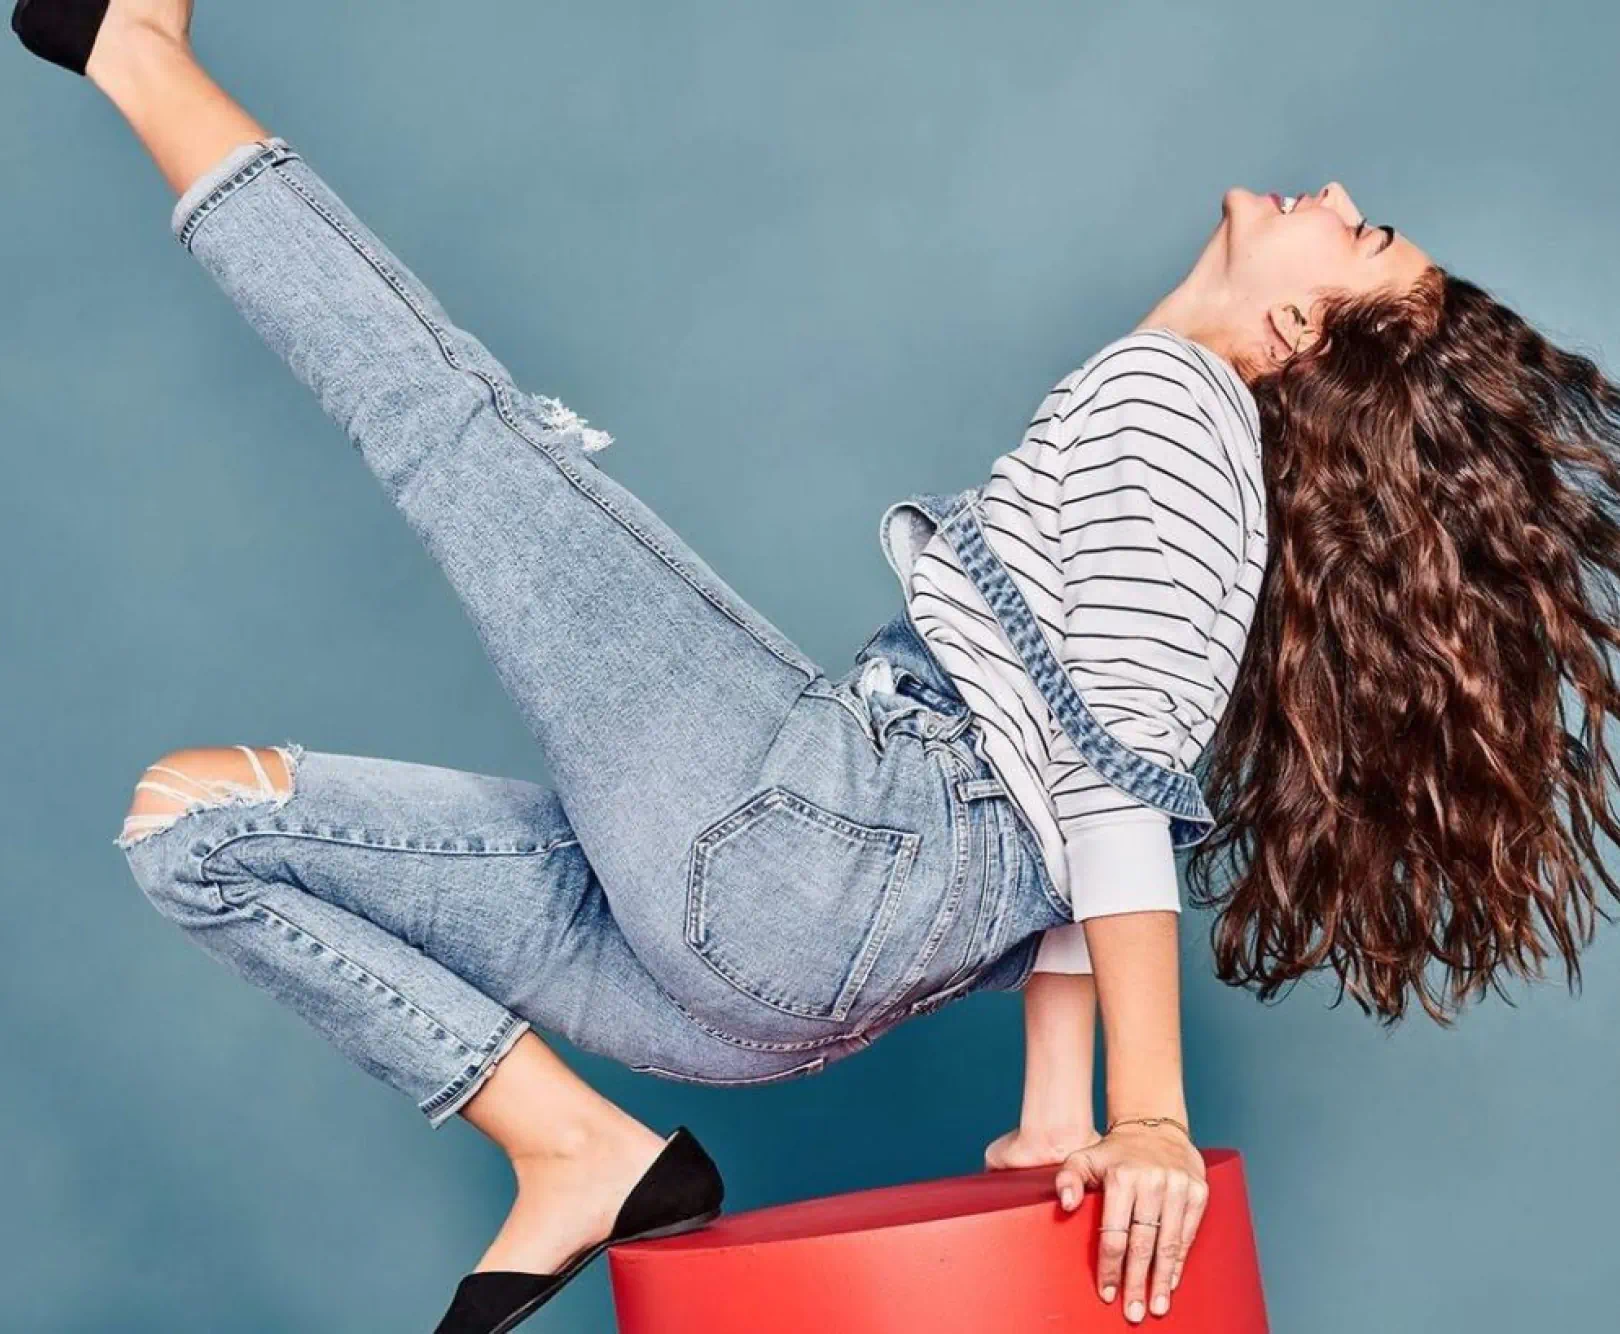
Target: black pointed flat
[(679, 1192), (60, 31)]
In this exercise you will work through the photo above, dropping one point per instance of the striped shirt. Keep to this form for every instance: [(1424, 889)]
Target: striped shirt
[(1132, 519)]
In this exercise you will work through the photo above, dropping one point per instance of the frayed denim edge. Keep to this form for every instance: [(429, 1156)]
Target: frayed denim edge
[(240, 794)]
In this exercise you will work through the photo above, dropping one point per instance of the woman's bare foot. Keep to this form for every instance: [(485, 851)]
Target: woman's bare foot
[(566, 1202), (138, 19), (131, 27)]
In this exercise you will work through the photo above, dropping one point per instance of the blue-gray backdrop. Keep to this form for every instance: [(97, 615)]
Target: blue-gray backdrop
[(801, 259)]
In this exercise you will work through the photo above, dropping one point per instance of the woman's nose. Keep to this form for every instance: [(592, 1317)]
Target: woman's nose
[(1337, 198)]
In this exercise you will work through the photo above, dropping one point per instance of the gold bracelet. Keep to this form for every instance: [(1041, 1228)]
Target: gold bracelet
[(1149, 1121)]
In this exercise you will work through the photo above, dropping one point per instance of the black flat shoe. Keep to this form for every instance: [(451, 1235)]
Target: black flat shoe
[(679, 1192), (60, 31)]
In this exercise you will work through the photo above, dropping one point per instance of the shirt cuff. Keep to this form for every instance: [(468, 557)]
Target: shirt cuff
[(1125, 863)]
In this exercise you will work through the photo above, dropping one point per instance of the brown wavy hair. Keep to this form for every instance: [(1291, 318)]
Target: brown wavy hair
[(1395, 779)]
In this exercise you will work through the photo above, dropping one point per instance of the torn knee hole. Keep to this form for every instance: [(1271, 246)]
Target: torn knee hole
[(193, 780)]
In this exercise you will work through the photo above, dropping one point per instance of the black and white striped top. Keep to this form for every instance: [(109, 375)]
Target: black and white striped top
[(1132, 518)]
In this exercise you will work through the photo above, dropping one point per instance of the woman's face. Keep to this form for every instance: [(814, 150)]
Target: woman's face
[(1280, 258)]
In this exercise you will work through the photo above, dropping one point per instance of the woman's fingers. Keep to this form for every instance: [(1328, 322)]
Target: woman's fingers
[(1150, 1215), (1143, 1240), (1114, 1231), (1081, 1169), (1167, 1248), (1070, 1188), (1197, 1201)]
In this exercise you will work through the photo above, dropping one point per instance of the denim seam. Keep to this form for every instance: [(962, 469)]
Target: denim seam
[(459, 1091), (350, 841), (1028, 969), (259, 909), (900, 882), (945, 917), (935, 1000), (970, 819), (987, 920), (809, 1067), (750, 1044), (271, 153), (844, 696), (996, 857), (503, 407), (259, 906)]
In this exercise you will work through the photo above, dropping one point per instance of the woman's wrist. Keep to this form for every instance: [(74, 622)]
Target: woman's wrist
[(1171, 1105), (1143, 1082), (1172, 1124)]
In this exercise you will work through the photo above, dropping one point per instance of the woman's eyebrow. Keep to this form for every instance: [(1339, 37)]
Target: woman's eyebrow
[(1389, 238)]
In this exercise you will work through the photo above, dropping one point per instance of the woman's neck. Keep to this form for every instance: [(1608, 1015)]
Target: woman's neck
[(1193, 314)]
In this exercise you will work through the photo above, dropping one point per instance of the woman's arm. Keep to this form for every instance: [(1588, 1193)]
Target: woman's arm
[(1060, 1028), (1136, 966), (1152, 1177)]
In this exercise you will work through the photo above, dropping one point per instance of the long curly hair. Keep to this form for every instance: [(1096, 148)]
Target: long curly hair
[(1395, 779)]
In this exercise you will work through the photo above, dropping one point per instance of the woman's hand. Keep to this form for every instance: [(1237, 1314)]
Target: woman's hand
[(1038, 1145), (1149, 1175)]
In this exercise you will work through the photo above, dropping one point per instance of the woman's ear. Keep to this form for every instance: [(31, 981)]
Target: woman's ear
[(1289, 331)]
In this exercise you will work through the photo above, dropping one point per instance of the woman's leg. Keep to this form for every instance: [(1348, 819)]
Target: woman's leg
[(421, 919), (654, 690)]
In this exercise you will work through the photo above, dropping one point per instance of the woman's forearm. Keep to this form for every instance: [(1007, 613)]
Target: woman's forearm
[(1060, 1033), (1136, 963)]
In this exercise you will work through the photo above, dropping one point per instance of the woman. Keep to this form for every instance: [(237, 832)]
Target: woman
[(747, 869)]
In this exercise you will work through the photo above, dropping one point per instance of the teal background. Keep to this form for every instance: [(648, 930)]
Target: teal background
[(802, 260)]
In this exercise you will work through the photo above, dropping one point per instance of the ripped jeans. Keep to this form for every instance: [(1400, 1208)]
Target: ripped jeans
[(745, 869)]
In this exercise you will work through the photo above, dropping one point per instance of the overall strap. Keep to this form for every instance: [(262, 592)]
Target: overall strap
[(907, 525), (1170, 790)]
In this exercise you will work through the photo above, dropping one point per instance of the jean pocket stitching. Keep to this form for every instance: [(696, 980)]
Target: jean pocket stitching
[(776, 800), (810, 1067), (950, 906), (928, 1004), (984, 825)]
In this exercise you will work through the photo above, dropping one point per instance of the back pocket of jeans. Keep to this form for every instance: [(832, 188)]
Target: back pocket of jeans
[(791, 903)]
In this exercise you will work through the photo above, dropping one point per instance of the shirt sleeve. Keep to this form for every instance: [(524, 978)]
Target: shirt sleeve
[(1150, 545)]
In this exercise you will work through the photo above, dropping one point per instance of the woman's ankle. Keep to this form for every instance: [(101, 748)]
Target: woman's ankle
[(185, 120)]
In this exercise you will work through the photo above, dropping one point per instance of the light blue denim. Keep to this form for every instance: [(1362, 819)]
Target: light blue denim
[(745, 869)]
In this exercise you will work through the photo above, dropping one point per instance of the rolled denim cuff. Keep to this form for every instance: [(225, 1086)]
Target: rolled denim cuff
[(221, 181), (459, 1091)]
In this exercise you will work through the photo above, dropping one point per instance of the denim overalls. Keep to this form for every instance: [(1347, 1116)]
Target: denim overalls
[(741, 868)]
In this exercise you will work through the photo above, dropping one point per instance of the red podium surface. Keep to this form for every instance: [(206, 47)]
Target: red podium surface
[(986, 1253)]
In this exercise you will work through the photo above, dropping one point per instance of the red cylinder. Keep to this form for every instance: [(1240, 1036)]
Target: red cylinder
[(985, 1253)]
